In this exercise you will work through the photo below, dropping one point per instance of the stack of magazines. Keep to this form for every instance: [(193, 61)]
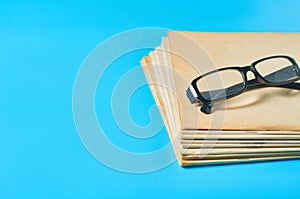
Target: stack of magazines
[(228, 97)]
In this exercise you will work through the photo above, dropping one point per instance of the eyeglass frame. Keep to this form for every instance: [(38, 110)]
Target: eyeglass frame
[(195, 96)]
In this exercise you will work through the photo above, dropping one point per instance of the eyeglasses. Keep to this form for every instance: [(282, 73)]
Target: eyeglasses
[(275, 71)]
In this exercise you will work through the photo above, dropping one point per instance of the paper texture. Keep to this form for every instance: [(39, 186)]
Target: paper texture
[(194, 54), (254, 126)]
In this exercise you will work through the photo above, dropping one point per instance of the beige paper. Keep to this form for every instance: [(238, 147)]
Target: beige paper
[(263, 109), (187, 127)]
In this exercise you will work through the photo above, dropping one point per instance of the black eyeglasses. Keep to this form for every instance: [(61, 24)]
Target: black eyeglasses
[(275, 71)]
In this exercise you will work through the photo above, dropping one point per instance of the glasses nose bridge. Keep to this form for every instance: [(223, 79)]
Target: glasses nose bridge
[(248, 69)]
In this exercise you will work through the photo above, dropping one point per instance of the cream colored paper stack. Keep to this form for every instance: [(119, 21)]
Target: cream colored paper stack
[(258, 125)]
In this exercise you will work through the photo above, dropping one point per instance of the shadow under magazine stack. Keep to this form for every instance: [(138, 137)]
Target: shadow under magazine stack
[(258, 125)]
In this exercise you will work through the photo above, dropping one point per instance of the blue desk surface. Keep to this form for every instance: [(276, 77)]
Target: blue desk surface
[(42, 46)]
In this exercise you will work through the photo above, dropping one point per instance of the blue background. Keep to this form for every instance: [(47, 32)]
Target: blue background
[(42, 45)]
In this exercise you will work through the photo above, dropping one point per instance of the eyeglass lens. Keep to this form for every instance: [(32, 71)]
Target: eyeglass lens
[(221, 84), (277, 70)]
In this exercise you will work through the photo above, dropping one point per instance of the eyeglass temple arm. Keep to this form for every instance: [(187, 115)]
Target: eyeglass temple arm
[(254, 83), (282, 74)]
